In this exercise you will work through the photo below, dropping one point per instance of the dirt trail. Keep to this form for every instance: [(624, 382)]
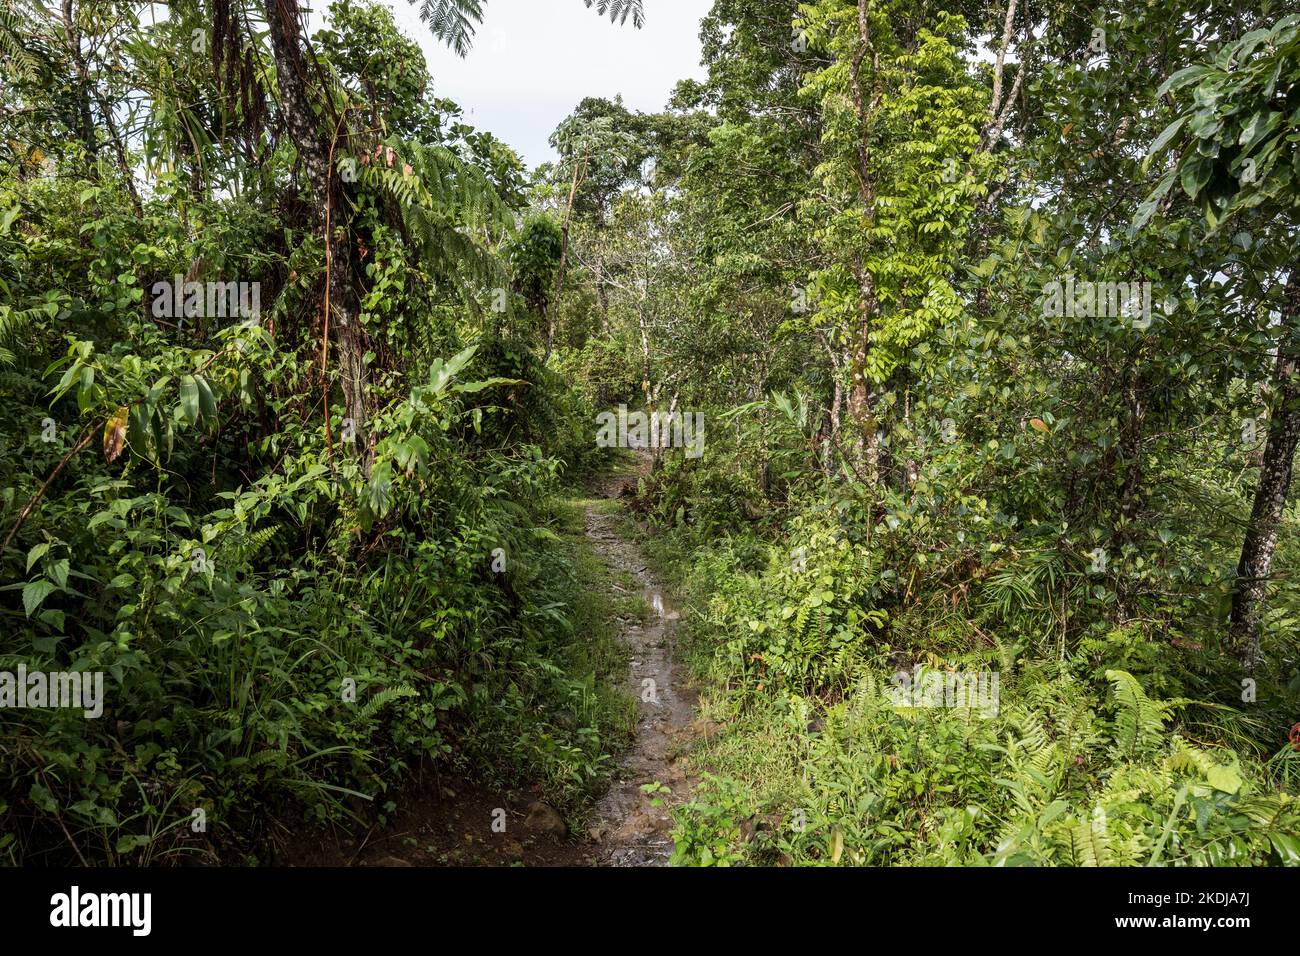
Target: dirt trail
[(628, 829)]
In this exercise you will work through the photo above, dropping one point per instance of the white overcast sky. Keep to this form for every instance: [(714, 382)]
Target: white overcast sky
[(534, 60)]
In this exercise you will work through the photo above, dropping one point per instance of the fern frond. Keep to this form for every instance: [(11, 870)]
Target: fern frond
[(14, 51), (1139, 720), (255, 542), (13, 323), (278, 758), (1223, 777), (383, 698), (447, 202), (1097, 850)]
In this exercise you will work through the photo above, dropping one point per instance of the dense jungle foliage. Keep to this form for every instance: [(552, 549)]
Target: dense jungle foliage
[(991, 312)]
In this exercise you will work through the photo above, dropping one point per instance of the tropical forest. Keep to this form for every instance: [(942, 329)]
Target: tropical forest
[(878, 452)]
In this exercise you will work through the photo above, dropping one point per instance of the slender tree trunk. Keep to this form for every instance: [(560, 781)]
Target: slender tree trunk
[(861, 403), (644, 330), (86, 91), (831, 445), (119, 150), (579, 169), (284, 19), (1274, 481), (833, 440), (1131, 459), (911, 468), (602, 296)]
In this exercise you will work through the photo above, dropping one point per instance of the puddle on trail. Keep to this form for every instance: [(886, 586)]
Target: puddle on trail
[(627, 829)]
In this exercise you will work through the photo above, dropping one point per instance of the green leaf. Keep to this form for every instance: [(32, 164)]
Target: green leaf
[(34, 592), (1149, 205), (1182, 77), (379, 490), (58, 572), (1163, 139), (86, 388), (43, 799), (126, 844), (207, 400), (68, 378), (440, 374), (190, 399), (34, 555), (1287, 847), (1223, 778), (1195, 174), (1247, 44), (1257, 128), (138, 432), (1054, 810)]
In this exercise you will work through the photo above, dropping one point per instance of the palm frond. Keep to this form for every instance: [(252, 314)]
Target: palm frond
[(619, 10), (452, 21)]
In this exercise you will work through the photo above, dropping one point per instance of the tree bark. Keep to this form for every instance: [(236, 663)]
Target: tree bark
[(284, 21), (1274, 480)]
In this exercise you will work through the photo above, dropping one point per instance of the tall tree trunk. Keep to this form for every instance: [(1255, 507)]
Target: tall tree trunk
[(911, 467), (284, 21), (1274, 481), (88, 89), (861, 402), (644, 330), (81, 92), (602, 294)]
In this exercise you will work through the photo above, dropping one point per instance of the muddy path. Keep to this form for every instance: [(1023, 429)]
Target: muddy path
[(628, 828)]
